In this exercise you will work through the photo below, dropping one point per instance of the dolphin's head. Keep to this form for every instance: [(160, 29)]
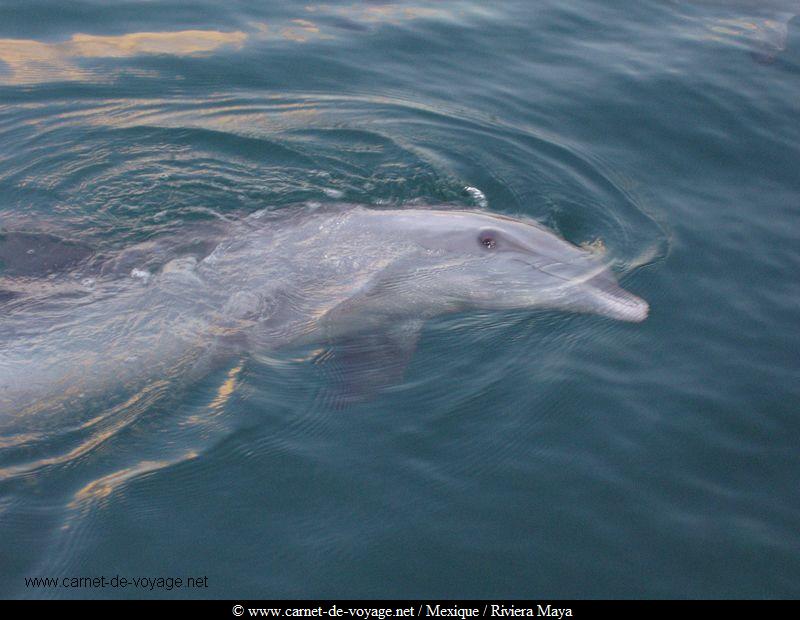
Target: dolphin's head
[(488, 261)]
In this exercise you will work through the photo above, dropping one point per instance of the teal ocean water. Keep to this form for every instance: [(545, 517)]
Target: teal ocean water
[(525, 454)]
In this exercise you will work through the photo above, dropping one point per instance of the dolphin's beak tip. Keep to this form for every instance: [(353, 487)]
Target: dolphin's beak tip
[(611, 300), (638, 312), (628, 308), (644, 312)]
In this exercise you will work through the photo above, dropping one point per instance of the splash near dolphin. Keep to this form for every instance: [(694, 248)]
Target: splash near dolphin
[(362, 280)]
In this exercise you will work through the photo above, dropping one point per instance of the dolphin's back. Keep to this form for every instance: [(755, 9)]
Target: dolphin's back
[(80, 351), (57, 356)]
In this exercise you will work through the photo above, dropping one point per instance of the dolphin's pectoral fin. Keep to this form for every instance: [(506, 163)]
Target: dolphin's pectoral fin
[(358, 368), (30, 254)]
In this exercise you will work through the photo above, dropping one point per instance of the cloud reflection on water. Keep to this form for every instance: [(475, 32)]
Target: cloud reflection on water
[(28, 61)]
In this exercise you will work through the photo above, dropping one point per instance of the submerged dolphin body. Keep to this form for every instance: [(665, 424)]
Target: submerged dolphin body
[(358, 278), (765, 23)]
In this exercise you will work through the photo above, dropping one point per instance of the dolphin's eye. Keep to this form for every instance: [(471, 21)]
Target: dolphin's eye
[(487, 240)]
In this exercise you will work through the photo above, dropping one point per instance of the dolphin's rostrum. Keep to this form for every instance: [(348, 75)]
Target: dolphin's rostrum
[(361, 279)]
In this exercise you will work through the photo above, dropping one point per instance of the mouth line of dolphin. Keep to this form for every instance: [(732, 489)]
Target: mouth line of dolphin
[(599, 294), (595, 290)]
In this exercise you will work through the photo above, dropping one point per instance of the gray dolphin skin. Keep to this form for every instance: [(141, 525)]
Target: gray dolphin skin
[(764, 22), (358, 278)]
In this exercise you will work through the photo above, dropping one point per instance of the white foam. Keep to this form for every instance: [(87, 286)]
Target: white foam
[(140, 274), (477, 195)]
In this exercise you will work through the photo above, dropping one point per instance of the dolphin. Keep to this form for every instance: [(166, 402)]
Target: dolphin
[(359, 280), (765, 23)]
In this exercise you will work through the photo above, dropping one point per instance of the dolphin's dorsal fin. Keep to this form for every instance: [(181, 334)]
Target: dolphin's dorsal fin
[(359, 367)]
